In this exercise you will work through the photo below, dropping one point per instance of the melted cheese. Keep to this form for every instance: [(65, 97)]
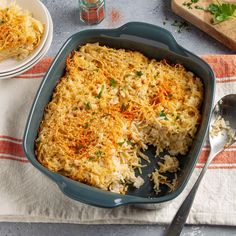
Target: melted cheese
[(108, 107)]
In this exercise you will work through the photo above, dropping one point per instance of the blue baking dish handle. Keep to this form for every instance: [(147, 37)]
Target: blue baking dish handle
[(153, 32)]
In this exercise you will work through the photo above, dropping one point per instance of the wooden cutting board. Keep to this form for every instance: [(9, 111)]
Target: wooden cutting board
[(225, 32)]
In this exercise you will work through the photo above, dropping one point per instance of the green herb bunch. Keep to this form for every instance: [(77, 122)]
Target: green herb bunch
[(221, 11)]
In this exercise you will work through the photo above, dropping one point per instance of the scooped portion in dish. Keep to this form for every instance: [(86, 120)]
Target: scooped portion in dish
[(20, 33), (108, 107)]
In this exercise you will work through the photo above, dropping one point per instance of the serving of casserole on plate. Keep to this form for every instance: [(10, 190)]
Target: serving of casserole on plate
[(20, 33), (121, 111), (26, 32)]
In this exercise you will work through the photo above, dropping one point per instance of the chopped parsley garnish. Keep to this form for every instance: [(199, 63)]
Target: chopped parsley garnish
[(121, 143), (87, 105), (162, 114), (86, 125), (123, 107), (74, 108), (200, 8), (129, 142), (177, 117), (189, 4), (100, 92), (91, 158), (180, 25), (99, 153), (38, 140), (112, 83), (139, 73)]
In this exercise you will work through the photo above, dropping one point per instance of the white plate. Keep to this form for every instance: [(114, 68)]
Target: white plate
[(39, 12), (38, 57)]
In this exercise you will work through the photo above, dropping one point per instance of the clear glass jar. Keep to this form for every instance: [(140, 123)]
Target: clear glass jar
[(92, 11)]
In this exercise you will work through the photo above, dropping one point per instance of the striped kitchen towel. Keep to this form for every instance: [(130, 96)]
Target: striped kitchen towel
[(26, 195)]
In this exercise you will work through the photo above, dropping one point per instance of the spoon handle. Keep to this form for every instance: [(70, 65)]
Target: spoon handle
[(181, 216)]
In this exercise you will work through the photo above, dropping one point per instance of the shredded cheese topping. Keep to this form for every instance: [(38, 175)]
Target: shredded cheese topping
[(108, 107), (20, 33)]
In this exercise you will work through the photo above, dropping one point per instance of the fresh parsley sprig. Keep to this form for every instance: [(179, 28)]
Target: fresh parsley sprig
[(221, 11), (100, 92)]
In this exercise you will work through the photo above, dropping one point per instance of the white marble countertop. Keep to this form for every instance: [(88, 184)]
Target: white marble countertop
[(66, 22)]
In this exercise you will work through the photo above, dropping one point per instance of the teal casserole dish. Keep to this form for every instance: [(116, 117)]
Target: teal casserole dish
[(153, 42)]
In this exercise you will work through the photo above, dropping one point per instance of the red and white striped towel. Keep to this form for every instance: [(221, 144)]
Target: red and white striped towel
[(27, 195)]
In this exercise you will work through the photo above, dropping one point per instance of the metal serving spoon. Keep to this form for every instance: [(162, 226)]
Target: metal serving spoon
[(225, 108)]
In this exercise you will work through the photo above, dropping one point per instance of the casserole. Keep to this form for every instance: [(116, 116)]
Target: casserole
[(153, 42)]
